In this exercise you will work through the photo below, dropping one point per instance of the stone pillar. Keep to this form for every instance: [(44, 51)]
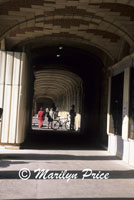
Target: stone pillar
[(105, 92), (108, 109), (125, 123), (14, 98), (22, 112), (2, 82), (7, 98), (13, 95)]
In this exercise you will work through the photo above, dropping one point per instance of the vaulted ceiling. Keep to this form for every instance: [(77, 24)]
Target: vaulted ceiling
[(54, 83), (104, 27)]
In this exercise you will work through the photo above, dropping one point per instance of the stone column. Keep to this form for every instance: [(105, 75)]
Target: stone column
[(108, 109), (7, 98), (125, 122), (22, 115), (2, 82), (13, 97)]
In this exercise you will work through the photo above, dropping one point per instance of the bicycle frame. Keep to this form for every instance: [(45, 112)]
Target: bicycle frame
[(61, 122)]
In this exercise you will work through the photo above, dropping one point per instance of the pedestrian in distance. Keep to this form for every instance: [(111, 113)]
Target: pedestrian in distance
[(72, 117), (41, 115), (50, 116)]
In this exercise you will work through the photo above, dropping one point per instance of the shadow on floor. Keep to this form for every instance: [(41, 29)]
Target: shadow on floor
[(7, 163), (60, 140), (33, 156)]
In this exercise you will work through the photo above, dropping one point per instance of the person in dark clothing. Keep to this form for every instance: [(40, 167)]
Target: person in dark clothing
[(72, 117)]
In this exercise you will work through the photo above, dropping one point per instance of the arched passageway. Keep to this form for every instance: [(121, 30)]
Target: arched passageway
[(72, 78), (63, 87), (72, 36), (93, 40)]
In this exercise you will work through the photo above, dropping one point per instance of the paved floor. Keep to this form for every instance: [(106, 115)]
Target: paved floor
[(119, 185)]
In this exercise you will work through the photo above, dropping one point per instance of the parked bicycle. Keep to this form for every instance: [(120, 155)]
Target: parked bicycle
[(61, 122)]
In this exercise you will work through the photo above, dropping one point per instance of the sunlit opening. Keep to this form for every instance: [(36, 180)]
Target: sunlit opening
[(58, 93)]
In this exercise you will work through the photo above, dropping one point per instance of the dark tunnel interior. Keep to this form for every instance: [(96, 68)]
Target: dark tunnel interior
[(87, 66)]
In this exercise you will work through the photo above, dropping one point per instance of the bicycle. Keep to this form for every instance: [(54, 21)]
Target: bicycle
[(63, 123)]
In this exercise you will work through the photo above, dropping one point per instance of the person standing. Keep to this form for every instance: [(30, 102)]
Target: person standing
[(54, 110), (72, 117), (47, 111), (41, 115), (50, 118)]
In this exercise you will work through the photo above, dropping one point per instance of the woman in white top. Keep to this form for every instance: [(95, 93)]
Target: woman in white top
[(50, 118)]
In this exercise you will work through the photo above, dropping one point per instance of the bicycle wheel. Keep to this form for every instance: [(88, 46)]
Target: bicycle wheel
[(67, 125), (56, 125)]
